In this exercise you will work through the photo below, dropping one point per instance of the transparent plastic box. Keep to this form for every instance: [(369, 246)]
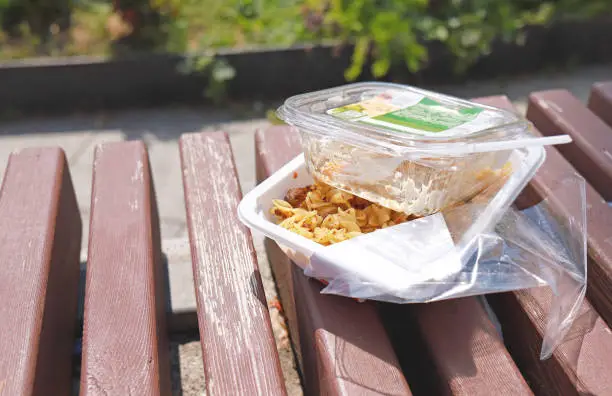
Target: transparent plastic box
[(402, 147)]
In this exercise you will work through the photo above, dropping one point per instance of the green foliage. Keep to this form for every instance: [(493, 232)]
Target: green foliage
[(384, 33), (581, 9), (396, 31), (468, 28), (386, 29)]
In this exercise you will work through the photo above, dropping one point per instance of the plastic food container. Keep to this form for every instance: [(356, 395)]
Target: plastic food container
[(254, 211), (402, 147)]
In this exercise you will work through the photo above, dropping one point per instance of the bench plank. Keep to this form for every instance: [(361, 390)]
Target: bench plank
[(579, 366), (40, 241), (238, 345), (558, 111), (342, 346), (468, 354), (125, 345), (581, 363), (600, 101)]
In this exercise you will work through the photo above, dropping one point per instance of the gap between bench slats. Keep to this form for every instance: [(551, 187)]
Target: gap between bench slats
[(40, 238), (341, 344), (581, 363), (238, 345), (600, 101), (125, 346)]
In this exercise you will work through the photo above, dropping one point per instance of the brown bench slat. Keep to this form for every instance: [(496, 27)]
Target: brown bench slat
[(125, 345), (581, 363), (600, 101), (238, 345), (342, 346), (466, 349), (558, 111), (40, 241)]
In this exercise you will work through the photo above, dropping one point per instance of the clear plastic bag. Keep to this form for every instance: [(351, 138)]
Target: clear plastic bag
[(434, 258)]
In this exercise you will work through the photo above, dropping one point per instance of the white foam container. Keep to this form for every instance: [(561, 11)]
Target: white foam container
[(254, 211)]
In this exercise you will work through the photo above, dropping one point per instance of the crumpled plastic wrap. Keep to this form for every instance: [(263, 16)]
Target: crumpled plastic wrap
[(439, 257)]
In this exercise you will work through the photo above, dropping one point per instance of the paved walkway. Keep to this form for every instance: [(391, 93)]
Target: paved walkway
[(160, 129)]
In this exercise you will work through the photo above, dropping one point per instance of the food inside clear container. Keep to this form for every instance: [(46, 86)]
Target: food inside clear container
[(402, 147)]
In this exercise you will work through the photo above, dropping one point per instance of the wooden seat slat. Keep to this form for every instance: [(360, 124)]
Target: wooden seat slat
[(600, 101), (125, 345), (342, 346), (40, 239), (467, 352), (581, 363), (238, 345), (558, 111), (579, 366)]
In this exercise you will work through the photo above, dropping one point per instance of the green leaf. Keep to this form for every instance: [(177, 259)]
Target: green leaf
[(440, 33), (414, 54), (381, 67), (358, 59), (202, 62), (223, 71), (454, 23), (470, 37), (353, 72), (383, 26)]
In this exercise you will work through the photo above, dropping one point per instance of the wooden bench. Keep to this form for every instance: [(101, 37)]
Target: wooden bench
[(342, 347)]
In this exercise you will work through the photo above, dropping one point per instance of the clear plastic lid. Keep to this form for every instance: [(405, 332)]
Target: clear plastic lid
[(401, 118)]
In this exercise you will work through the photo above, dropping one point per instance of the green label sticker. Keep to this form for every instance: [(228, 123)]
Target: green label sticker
[(429, 115), (406, 113)]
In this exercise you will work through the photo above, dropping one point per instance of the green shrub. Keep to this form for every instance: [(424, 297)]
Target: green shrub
[(388, 32)]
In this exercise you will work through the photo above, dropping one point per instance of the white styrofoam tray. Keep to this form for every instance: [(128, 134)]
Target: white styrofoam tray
[(343, 259)]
